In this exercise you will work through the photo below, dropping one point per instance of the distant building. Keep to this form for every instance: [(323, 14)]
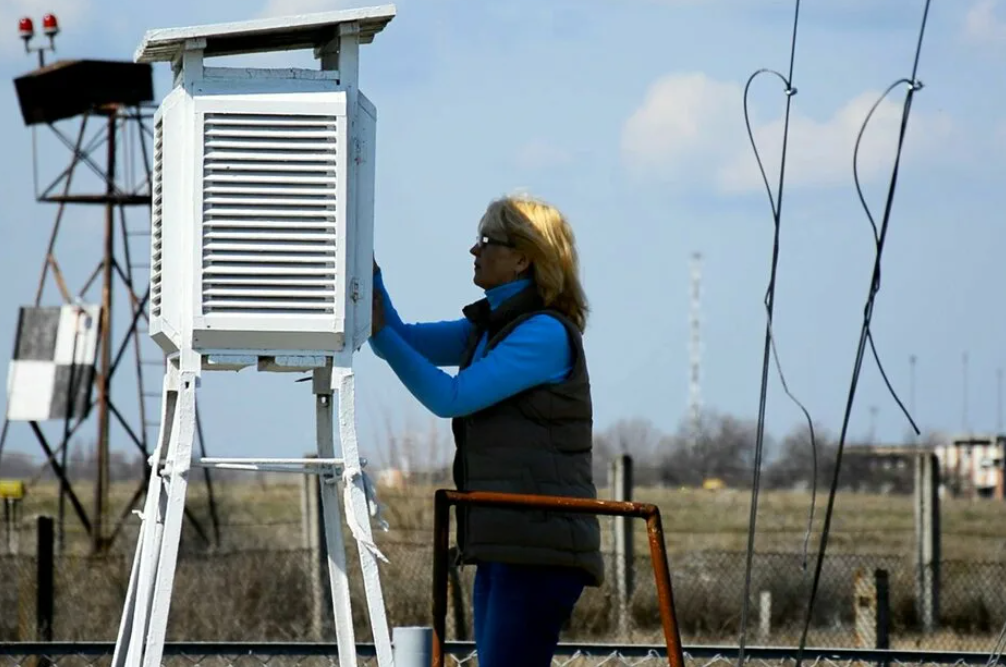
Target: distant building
[(970, 466), (973, 466)]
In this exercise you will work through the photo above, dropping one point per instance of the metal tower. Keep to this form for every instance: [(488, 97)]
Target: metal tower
[(695, 347), (109, 101)]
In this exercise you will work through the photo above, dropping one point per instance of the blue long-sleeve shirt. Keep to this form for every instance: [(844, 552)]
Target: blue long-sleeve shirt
[(537, 351)]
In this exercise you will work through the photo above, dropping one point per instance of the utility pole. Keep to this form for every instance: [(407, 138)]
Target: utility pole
[(695, 349)]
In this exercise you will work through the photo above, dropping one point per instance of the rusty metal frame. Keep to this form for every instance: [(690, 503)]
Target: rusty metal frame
[(116, 127), (444, 499)]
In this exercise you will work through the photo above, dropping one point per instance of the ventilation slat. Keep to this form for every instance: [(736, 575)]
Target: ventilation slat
[(266, 279), (157, 221), (267, 199), (260, 155), (278, 249), (249, 132), (267, 120), (253, 145), (236, 269), (234, 291), (271, 211), (287, 304), (279, 189), (271, 173), (279, 235), (232, 223)]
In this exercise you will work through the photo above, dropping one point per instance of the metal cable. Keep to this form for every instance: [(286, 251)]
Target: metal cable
[(769, 348), (865, 337)]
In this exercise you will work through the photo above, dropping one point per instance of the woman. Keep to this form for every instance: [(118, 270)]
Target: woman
[(521, 416)]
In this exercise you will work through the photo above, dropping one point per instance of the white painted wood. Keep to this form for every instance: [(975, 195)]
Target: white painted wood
[(280, 33), (171, 176), (262, 219), (145, 607), (365, 153), (259, 73), (359, 513), (306, 464), (332, 512), (313, 466), (176, 469), (133, 630), (152, 519), (265, 177)]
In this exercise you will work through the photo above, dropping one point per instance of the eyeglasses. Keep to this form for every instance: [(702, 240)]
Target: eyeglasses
[(481, 241)]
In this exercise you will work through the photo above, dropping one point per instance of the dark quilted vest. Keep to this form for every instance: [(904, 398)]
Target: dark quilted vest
[(536, 442)]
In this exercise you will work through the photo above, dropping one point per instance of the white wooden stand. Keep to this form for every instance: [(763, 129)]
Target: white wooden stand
[(144, 621), (262, 194)]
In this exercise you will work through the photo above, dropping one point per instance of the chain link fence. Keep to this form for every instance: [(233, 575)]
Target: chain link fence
[(280, 596), (463, 654)]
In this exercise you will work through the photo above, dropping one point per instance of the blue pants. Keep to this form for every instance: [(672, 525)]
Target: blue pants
[(519, 611)]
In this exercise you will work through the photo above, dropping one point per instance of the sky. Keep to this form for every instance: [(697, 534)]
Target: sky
[(628, 115)]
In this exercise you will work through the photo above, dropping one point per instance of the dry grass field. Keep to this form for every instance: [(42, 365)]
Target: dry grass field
[(257, 584), (266, 514)]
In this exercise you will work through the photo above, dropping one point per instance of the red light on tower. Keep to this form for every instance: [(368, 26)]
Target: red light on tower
[(26, 28), (50, 25)]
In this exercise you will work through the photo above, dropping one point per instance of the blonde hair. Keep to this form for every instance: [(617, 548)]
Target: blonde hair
[(543, 234)]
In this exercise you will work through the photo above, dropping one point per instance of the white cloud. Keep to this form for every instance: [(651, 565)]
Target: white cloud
[(690, 130), (67, 12), (670, 132), (983, 24)]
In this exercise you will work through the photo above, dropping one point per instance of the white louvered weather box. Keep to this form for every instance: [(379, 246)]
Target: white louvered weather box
[(263, 210)]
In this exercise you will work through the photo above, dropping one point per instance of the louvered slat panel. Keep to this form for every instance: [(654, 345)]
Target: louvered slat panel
[(156, 221), (269, 214), (300, 189), (306, 225)]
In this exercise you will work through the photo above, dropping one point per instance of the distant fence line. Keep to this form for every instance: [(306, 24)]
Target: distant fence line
[(463, 653), (266, 596)]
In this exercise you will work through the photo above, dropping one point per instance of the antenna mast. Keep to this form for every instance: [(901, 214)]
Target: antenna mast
[(695, 348)]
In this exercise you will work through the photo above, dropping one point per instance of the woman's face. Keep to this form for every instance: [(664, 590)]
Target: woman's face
[(496, 260)]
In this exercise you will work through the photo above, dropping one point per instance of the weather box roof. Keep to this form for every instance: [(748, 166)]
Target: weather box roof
[(272, 34)]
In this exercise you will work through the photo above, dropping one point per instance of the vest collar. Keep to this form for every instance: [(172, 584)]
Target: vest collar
[(499, 294), (503, 304)]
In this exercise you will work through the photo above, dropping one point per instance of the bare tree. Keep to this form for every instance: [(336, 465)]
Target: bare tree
[(637, 437), (722, 448), (794, 467)]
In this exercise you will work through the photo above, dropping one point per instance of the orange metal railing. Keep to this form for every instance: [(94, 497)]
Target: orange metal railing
[(444, 499)]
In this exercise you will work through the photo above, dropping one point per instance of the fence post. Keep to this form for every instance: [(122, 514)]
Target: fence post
[(765, 616), (9, 522), (44, 602), (620, 482), (412, 647), (927, 541), (313, 530), (882, 585), (457, 596), (865, 600)]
